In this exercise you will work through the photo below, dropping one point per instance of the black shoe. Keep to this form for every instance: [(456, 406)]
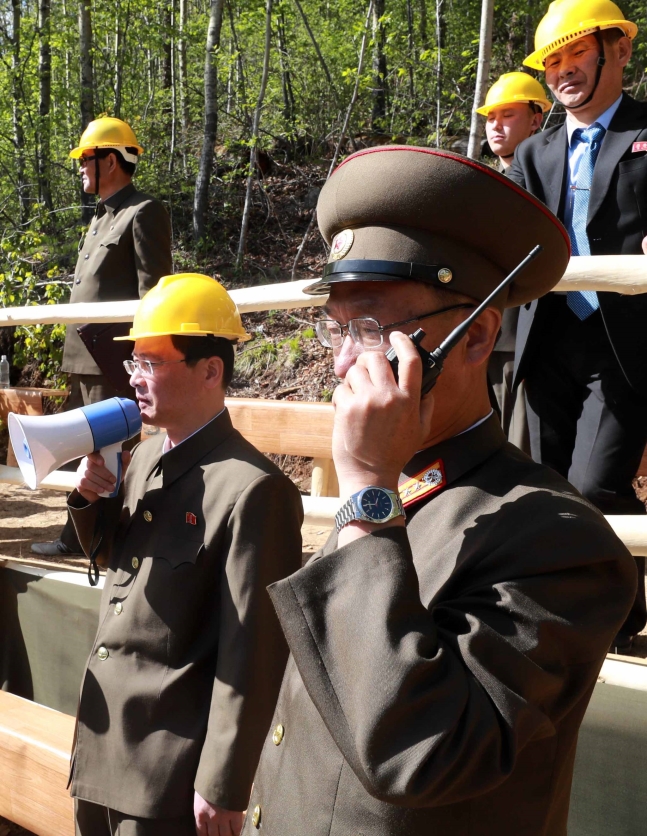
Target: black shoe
[(55, 548), (622, 644)]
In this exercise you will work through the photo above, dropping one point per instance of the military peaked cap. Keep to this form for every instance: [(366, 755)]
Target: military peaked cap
[(406, 213)]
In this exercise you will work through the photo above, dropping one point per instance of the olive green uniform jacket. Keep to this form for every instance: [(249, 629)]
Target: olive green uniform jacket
[(187, 663), (439, 673), (125, 252)]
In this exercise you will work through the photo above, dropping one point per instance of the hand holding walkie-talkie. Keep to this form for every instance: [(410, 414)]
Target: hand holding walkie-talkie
[(432, 362)]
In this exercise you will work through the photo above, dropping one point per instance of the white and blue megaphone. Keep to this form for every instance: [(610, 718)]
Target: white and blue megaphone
[(44, 443)]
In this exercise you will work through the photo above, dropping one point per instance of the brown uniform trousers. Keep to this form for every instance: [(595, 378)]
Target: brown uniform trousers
[(185, 670), (125, 252), (439, 673)]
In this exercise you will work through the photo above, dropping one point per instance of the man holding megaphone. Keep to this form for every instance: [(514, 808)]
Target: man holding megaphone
[(186, 666)]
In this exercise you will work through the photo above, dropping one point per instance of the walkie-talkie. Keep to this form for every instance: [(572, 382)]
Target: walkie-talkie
[(432, 362)]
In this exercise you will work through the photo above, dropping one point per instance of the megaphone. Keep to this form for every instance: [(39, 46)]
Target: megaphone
[(44, 443)]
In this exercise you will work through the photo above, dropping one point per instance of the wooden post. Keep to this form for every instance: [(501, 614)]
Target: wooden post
[(324, 478)]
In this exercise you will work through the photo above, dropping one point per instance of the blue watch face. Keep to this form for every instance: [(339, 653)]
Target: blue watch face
[(376, 504)]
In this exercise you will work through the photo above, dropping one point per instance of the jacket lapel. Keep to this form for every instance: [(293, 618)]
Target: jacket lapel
[(623, 130), (553, 162)]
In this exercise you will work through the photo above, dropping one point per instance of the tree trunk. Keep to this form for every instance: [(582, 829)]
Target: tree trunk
[(315, 44), (342, 134), (286, 80), (379, 67), (18, 129), (240, 69), (411, 56), (87, 90), (173, 144), (439, 67), (422, 23), (119, 49), (242, 243), (203, 179), (482, 75), (44, 101), (182, 67)]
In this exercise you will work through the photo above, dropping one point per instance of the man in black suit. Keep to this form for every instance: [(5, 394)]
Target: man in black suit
[(580, 354)]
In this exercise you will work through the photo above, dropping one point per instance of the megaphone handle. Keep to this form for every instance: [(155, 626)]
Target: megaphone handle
[(112, 459)]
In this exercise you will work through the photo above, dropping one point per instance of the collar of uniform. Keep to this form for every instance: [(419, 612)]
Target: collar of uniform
[(115, 200), (460, 453), (193, 449)]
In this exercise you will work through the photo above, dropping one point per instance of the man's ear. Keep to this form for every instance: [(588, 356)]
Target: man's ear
[(482, 336), (535, 122), (214, 372), (625, 48)]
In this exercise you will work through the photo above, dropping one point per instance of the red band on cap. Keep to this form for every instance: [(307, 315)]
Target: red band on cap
[(505, 181)]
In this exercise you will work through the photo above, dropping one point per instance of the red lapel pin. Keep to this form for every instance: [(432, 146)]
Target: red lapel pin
[(191, 518)]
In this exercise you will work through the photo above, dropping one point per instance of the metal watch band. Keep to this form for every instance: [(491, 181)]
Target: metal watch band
[(351, 511), (346, 514)]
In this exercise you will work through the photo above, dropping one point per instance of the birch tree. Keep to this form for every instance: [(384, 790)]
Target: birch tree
[(16, 97), (482, 77), (87, 89), (253, 150), (44, 100), (203, 179)]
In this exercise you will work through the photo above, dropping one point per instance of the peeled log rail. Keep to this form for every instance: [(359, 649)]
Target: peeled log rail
[(35, 745), (625, 274), (249, 299)]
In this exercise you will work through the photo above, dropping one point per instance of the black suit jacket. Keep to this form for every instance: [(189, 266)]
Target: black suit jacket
[(617, 223)]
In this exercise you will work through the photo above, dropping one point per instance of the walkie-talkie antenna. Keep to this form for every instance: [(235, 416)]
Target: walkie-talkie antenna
[(432, 362), (459, 332)]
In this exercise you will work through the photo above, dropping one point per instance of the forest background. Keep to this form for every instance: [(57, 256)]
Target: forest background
[(241, 106)]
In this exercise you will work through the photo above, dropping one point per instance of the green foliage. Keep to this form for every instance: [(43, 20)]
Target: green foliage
[(31, 275)]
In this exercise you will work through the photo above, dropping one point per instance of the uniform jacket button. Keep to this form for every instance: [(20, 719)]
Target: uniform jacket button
[(94, 232), (256, 816), (78, 281), (111, 228), (148, 516), (119, 608), (86, 256), (135, 563), (102, 653), (278, 735)]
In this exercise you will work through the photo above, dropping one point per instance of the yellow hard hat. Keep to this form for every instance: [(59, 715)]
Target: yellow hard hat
[(568, 20), (108, 132), (514, 87), (187, 304)]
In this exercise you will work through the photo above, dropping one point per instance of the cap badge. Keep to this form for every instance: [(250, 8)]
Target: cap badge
[(445, 275), (423, 484), (341, 244), (191, 519)]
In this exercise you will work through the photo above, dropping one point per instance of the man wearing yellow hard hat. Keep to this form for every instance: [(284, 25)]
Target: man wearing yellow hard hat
[(185, 670), (124, 253), (581, 354), (514, 108)]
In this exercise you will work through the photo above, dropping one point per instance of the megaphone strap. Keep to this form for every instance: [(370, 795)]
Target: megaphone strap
[(93, 568)]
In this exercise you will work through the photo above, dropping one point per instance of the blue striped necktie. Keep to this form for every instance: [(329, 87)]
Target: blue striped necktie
[(584, 302)]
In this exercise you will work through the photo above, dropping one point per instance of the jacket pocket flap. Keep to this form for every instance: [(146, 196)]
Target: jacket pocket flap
[(176, 550), (111, 240)]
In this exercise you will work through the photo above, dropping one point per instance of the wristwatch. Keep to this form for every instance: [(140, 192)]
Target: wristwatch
[(372, 504)]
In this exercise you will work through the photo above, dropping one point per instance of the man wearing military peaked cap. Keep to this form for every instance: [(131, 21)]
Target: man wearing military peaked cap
[(446, 640)]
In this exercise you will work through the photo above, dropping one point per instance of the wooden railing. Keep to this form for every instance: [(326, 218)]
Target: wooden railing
[(626, 274)]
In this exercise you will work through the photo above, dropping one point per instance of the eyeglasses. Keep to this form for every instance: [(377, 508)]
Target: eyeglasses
[(84, 160), (146, 367), (365, 330)]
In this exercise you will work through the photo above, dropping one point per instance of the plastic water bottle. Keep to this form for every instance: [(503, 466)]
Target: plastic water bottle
[(4, 372)]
